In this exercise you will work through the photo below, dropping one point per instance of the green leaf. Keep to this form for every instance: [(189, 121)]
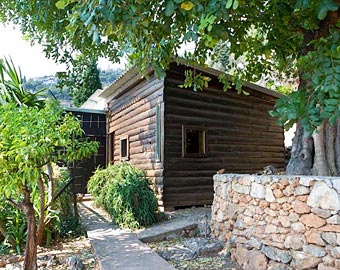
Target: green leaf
[(322, 13), (61, 4), (332, 101), (229, 4), (169, 8), (235, 5)]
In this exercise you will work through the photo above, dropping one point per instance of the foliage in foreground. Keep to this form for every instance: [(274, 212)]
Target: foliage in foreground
[(31, 139), (124, 191)]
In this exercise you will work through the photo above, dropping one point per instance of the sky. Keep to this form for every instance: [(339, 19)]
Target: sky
[(31, 59)]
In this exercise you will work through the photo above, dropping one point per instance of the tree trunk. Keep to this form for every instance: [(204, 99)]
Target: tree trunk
[(302, 153), (318, 154), (41, 224), (30, 262)]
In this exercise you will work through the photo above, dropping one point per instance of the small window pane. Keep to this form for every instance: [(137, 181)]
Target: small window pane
[(193, 141), (124, 148)]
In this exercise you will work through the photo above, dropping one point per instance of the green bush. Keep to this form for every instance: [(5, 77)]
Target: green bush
[(125, 193)]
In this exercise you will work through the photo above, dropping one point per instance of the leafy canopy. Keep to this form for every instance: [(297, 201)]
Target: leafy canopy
[(269, 35), (30, 138)]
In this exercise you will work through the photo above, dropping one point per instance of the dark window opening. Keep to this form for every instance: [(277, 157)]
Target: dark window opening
[(124, 148), (194, 141)]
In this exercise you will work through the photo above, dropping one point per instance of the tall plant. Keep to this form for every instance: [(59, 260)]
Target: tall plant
[(12, 87), (30, 138)]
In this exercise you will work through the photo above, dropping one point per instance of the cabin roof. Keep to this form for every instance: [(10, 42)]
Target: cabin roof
[(132, 76)]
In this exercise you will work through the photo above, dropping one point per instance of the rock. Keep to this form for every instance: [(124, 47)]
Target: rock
[(321, 212), (334, 220), (276, 254), (269, 197), (328, 260), (330, 238), (322, 266), (286, 206), (302, 198), (204, 246), (300, 207), (324, 197), (298, 227), (52, 260), (295, 241), (74, 263), (254, 243), (302, 261), (246, 180), (337, 264), (257, 191), (256, 260), (301, 190), (312, 220), (314, 250), (278, 193), (278, 266), (241, 188), (270, 228), (219, 216), (284, 221), (263, 204), (177, 254), (336, 184), (289, 190), (314, 237), (335, 252), (240, 255), (330, 228), (275, 206), (293, 217)]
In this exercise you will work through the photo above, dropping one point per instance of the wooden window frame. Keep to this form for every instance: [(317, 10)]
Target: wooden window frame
[(202, 153), (127, 157)]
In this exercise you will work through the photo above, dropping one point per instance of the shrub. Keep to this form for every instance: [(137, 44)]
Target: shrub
[(125, 193)]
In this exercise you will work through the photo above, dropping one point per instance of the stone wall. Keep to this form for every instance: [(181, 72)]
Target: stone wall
[(278, 222)]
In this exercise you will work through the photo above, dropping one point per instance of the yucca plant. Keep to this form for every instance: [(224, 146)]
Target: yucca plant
[(12, 89)]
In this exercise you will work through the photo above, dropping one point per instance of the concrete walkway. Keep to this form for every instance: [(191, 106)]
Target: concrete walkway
[(114, 248)]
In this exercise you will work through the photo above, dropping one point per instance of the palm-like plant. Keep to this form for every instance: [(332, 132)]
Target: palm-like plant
[(12, 89)]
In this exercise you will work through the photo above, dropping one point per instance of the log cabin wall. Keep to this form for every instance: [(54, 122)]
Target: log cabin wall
[(136, 114), (240, 137)]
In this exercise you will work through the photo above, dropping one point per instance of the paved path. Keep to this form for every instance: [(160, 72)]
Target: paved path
[(114, 248)]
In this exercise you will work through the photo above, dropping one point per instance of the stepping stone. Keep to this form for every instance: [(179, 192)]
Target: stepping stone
[(168, 230)]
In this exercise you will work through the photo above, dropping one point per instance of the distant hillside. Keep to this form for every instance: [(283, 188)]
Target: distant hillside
[(49, 83)]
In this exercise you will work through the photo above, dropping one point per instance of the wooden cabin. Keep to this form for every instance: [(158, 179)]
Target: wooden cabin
[(181, 138)]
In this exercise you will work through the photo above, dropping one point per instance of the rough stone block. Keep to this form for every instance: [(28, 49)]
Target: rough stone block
[(257, 191), (314, 250), (295, 241), (276, 254), (314, 237), (321, 212), (330, 238), (334, 220), (301, 207), (269, 195), (324, 197), (312, 220), (302, 260)]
